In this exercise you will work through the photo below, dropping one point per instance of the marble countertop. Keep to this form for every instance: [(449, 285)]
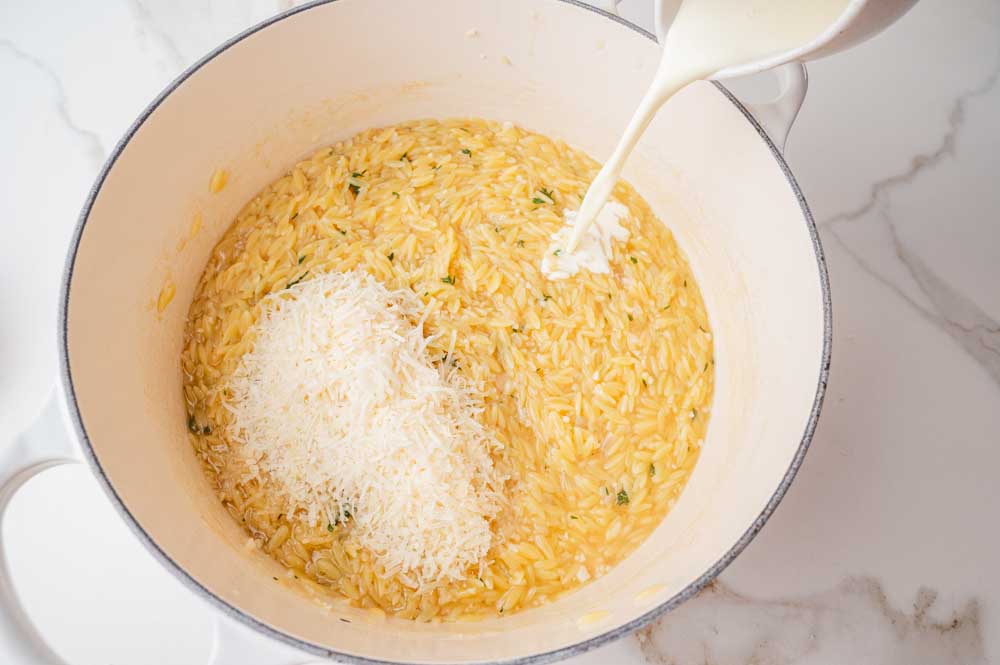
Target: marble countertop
[(885, 550)]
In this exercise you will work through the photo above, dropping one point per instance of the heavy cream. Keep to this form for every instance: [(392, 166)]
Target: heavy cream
[(705, 37), (594, 249)]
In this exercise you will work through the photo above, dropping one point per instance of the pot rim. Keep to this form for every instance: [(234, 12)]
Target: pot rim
[(239, 615)]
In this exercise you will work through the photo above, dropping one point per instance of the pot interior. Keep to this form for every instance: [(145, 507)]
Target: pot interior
[(330, 70)]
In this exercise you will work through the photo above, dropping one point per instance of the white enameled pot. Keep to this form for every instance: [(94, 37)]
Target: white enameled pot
[(320, 73)]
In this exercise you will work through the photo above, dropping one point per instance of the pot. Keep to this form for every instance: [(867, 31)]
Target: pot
[(320, 73)]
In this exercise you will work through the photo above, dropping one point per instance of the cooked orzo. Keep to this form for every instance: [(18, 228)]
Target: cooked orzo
[(593, 391)]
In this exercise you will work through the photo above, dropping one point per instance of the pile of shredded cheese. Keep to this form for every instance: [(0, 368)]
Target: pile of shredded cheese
[(339, 407)]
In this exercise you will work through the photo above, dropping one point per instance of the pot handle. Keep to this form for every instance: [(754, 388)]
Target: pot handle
[(233, 644), (43, 446), (777, 116)]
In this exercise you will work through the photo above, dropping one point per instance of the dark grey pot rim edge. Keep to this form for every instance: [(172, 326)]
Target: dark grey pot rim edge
[(536, 659)]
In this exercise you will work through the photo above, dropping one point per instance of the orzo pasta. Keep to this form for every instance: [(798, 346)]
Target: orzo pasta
[(598, 386)]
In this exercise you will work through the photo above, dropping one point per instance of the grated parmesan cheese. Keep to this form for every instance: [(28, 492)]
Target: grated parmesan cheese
[(339, 407)]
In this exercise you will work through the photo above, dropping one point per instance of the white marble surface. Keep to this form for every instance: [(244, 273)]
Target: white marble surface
[(885, 549)]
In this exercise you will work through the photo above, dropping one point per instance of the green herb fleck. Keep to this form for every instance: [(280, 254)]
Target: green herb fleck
[(467, 151), (652, 469), (622, 497), (296, 281), (405, 156), (520, 243), (354, 189), (450, 279), (685, 283), (694, 413), (666, 308), (206, 430), (396, 194), (329, 527), (193, 425), (573, 517), (633, 259), (645, 382), (630, 318), (705, 369), (275, 579), (607, 492), (544, 196), (391, 256), (292, 218), (546, 297), (557, 252), (514, 329), (301, 259)]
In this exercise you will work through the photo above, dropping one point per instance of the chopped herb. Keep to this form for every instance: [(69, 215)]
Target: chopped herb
[(405, 156), (467, 151), (344, 620), (609, 296), (645, 382), (705, 369), (546, 296), (329, 527), (501, 609), (520, 243), (354, 182), (450, 279), (193, 425), (465, 130), (557, 252), (296, 281), (633, 259), (630, 318), (544, 196), (622, 497), (607, 492), (702, 329), (514, 329), (481, 580), (301, 259), (652, 469), (496, 229), (694, 413), (396, 194), (438, 167), (391, 256), (426, 293), (206, 430), (666, 308), (275, 579), (573, 517), (292, 219), (343, 232), (685, 283)]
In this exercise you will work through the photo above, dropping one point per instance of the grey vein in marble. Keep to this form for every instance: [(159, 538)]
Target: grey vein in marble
[(852, 623), (952, 312), (94, 150), (148, 26)]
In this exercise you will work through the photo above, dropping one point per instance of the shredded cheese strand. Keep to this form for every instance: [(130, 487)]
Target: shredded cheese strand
[(339, 407)]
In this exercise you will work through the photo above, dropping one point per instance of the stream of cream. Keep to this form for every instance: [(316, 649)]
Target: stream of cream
[(705, 37)]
